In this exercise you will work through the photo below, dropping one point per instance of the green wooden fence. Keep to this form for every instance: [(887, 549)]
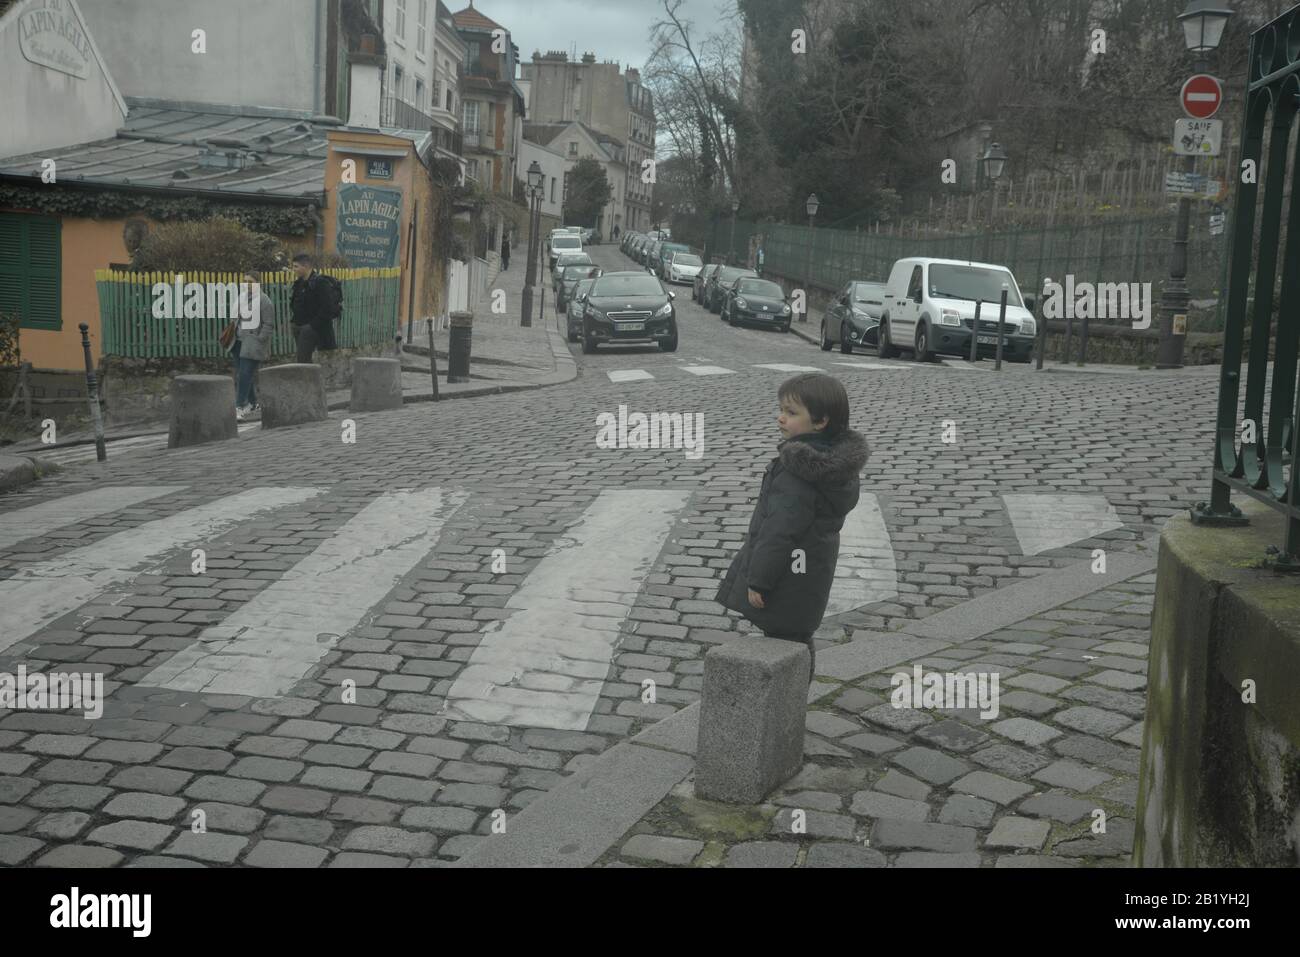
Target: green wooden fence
[(130, 328)]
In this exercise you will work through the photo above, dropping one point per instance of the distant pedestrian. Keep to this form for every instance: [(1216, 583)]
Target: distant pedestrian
[(760, 258), (505, 252), (253, 345), (312, 320), (616, 231), (781, 577)]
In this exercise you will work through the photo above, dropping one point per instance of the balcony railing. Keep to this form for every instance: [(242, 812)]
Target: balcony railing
[(399, 114)]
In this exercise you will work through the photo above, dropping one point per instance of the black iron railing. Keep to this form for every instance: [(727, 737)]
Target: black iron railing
[(1254, 453)]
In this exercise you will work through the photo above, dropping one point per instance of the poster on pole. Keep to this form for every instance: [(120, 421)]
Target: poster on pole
[(368, 221), (1198, 137)]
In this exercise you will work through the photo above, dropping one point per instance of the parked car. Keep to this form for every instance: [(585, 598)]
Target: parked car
[(563, 263), (758, 302), (683, 267), (702, 277), (930, 310), (562, 243), (588, 236), (627, 307), (576, 307), (718, 282), (666, 253), (853, 316), (572, 276), (652, 262)]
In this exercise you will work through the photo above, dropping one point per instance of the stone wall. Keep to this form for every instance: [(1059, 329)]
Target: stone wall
[(137, 390), (1220, 776)]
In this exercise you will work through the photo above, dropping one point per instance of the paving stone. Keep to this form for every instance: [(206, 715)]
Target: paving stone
[(16, 818), (952, 735), (439, 748), (271, 746), (337, 779), (1029, 702), (82, 797), (1043, 684), (297, 800), (929, 859), (364, 810), (1131, 735), (15, 849), (664, 850), (125, 752), (931, 765), (962, 809), (857, 700), (877, 804), (1091, 720), (197, 759), (830, 725), (815, 823), (469, 731), (1120, 680), (898, 719), (1026, 731), (872, 743), (226, 790), (140, 804), (141, 835), (1123, 702), (58, 745), (16, 763), (390, 840), (266, 769), (214, 847), (1072, 776), (755, 854), (902, 786), (298, 830), (461, 845), (73, 771), (358, 859), (827, 854), (896, 834), (992, 787), (1057, 805), (472, 773), (307, 729), (473, 795), (79, 856), (449, 819), (396, 788), (1020, 833), (273, 853), (402, 762), (229, 817)]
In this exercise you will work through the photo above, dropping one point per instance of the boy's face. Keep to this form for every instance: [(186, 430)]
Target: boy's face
[(796, 420)]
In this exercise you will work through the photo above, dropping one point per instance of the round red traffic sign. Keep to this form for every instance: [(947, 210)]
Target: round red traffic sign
[(1202, 96)]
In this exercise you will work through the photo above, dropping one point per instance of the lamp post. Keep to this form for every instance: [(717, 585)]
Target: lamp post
[(995, 162), (811, 206), (1203, 24), (535, 178), (731, 249)]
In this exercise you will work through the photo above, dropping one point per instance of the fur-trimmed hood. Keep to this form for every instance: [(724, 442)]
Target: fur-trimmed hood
[(834, 467)]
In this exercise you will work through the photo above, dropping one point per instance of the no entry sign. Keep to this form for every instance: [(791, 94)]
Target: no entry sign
[(1202, 96)]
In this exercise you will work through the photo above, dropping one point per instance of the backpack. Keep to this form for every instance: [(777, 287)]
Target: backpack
[(333, 297)]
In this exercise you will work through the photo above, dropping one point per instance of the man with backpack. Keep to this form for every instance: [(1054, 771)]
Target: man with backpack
[(316, 302)]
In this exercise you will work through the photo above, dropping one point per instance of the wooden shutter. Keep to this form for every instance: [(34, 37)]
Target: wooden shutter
[(30, 269)]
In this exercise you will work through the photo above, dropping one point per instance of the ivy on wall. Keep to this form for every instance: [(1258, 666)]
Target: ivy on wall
[(113, 204)]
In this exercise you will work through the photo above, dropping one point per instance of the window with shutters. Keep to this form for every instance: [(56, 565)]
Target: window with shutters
[(30, 258)]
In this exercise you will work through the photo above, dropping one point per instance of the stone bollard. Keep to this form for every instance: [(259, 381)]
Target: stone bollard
[(458, 346), (752, 710), (202, 410), (376, 385), (292, 394)]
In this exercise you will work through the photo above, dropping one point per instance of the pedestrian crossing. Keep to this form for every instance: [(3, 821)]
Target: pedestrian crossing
[(76, 454), (708, 369), (543, 664)]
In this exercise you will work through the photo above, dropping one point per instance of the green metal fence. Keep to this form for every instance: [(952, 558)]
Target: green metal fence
[(130, 328)]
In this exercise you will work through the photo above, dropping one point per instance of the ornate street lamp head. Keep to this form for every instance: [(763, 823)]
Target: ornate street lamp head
[(1203, 24), (535, 175), (995, 161), (812, 204)]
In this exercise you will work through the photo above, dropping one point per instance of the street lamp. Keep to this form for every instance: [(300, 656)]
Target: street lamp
[(995, 162), (731, 254), (811, 206), (535, 179), (1203, 25)]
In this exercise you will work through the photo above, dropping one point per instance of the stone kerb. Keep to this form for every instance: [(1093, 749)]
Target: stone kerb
[(292, 395), (376, 384), (752, 709), (202, 410)]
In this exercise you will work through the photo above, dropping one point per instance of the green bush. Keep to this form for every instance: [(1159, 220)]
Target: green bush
[(219, 245), (9, 354)]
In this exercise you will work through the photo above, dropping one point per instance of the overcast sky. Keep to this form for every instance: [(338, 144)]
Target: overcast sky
[(611, 29)]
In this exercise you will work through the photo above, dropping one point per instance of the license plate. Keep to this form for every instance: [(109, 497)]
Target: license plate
[(629, 326), (987, 340)]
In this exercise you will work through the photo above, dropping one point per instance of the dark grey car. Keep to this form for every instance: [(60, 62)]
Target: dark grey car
[(853, 316), (629, 307)]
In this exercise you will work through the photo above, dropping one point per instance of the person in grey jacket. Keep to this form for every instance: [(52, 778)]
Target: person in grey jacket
[(781, 577), (254, 346)]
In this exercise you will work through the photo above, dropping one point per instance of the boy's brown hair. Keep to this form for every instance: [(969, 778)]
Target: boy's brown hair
[(824, 398)]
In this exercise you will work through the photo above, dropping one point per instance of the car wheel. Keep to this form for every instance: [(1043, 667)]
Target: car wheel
[(785, 328), (846, 344), (886, 349), (922, 352), (669, 345), (826, 342), (588, 344)]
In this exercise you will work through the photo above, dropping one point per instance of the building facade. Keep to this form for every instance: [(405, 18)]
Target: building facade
[(553, 168), (611, 103), (577, 141), (426, 60), (492, 112)]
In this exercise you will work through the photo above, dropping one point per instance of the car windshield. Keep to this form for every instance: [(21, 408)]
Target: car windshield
[(729, 273), (634, 285), (686, 259), (974, 283), (759, 287), (574, 259), (567, 241), (872, 292)]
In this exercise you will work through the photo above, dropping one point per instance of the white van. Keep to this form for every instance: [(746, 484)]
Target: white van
[(930, 310)]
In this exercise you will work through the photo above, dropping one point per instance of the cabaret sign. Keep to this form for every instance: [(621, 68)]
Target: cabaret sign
[(368, 219), (51, 35)]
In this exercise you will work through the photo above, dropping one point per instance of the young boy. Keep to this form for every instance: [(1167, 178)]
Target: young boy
[(781, 578)]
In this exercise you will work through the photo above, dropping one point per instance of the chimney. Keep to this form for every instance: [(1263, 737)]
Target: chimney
[(589, 58), (366, 70), (633, 75)]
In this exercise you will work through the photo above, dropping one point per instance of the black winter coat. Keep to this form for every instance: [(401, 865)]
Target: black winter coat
[(309, 306), (807, 491)]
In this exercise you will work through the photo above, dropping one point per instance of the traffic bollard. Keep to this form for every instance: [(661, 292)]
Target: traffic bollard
[(433, 361), (458, 346), (975, 333), (92, 394), (1002, 318)]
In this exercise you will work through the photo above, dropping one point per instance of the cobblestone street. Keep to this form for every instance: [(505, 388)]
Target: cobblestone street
[(366, 669)]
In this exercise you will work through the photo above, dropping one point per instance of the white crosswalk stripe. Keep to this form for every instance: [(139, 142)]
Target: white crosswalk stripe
[(86, 453), (782, 367), (37, 520), (865, 571), (270, 643), (707, 370), (1044, 522), (876, 366), (545, 666), (628, 375), (47, 590)]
